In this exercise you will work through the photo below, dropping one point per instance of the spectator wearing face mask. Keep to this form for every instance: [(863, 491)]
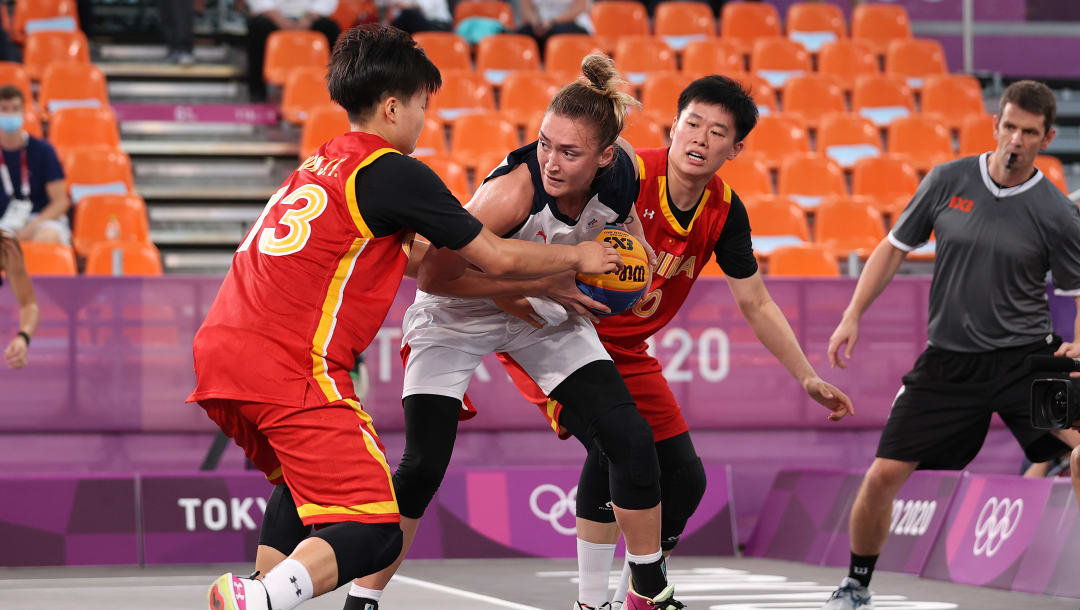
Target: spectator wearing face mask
[(33, 200)]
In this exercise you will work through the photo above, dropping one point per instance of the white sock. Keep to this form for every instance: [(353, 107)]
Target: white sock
[(372, 594), (624, 583), (288, 585), (594, 569)]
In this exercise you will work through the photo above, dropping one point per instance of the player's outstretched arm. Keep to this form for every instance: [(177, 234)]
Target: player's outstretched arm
[(772, 329), (11, 260), (876, 275)]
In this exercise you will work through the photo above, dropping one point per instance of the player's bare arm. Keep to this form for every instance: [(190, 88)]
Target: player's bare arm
[(772, 329), (11, 261), (876, 275)]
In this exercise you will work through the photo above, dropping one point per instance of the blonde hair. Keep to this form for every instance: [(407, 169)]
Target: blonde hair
[(596, 98)]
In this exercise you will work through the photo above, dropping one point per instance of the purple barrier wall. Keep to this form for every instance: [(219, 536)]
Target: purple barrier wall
[(1011, 533), (805, 518), (214, 518)]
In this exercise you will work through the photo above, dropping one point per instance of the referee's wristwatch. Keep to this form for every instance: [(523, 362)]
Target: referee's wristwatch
[(25, 335)]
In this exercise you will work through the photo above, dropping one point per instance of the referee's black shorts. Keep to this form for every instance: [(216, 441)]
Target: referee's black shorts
[(942, 413)]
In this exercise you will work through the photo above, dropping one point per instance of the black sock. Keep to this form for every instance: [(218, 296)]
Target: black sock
[(649, 579), (360, 603), (862, 568)]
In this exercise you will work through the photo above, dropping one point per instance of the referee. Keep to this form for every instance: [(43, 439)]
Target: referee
[(1000, 226)]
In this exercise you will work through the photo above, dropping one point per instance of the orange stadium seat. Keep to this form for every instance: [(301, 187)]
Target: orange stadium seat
[(660, 96), (778, 136), (48, 259), (778, 59), (888, 181), (848, 224), (97, 170), (809, 178), (13, 74), (613, 19), (847, 138), (713, 56), (640, 132), (123, 258), (563, 52), (879, 24), (497, 55), (1054, 170), (475, 134), (526, 93), (288, 49), (679, 23), (811, 260), (43, 48), (882, 98), (953, 98), (846, 60), (492, 9), (924, 139), (775, 222), (977, 135), (72, 127), (744, 22), (748, 175), (354, 12), (72, 84), (462, 92), (915, 59), (814, 24), (432, 140), (32, 124), (43, 15), (305, 88), (322, 124), (487, 162), (637, 56), (446, 50), (762, 92), (451, 173), (812, 96), (101, 218)]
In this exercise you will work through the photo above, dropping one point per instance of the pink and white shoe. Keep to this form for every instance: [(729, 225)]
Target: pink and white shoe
[(232, 592), (664, 601)]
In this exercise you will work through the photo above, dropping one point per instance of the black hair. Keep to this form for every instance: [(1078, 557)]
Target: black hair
[(726, 93), (11, 92), (1031, 96), (371, 62)]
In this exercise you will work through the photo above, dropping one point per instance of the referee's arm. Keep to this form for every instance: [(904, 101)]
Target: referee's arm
[(876, 275)]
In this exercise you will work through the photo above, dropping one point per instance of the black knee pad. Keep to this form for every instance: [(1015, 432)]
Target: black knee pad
[(593, 490), (682, 485), (361, 548), (430, 429), (282, 528), (627, 441)]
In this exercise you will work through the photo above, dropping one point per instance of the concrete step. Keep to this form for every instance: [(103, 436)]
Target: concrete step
[(209, 148), (215, 262)]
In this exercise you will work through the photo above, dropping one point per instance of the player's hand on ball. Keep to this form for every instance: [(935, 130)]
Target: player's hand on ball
[(519, 307), (830, 397), (564, 289), (597, 257), (1069, 350), (15, 354), (846, 333)]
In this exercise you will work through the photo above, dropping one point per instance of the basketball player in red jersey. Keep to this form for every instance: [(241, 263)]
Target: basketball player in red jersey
[(308, 289), (688, 214)]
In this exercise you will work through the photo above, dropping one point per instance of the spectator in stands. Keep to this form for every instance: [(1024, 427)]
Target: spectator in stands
[(177, 19), (268, 16), (545, 18), (33, 198), (420, 15), (11, 263)]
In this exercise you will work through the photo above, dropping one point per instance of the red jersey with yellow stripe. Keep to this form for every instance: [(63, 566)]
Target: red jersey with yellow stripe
[(680, 253), (308, 288)]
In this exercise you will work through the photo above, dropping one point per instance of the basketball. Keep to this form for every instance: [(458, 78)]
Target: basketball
[(620, 289)]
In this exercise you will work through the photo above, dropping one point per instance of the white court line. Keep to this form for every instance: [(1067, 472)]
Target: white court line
[(423, 584)]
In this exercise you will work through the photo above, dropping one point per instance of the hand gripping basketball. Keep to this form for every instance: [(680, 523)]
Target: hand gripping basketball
[(620, 288)]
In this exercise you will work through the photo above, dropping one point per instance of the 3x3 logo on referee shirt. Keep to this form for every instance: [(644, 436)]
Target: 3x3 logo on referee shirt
[(959, 203)]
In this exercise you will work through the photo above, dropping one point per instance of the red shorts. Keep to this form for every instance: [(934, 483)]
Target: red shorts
[(329, 456), (644, 378)]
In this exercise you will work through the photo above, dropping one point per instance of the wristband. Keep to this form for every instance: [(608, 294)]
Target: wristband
[(25, 336)]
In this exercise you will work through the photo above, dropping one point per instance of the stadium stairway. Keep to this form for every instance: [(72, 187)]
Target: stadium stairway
[(204, 159)]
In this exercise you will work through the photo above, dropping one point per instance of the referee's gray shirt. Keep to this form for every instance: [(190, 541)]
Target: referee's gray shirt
[(993, 248)]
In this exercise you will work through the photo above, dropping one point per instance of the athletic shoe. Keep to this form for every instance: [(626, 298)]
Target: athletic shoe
[(581, 606), (850, 596), (231, 592), (665, 600), (616, 605)]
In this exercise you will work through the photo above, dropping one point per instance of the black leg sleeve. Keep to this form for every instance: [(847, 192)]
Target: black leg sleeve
[(430, 429)]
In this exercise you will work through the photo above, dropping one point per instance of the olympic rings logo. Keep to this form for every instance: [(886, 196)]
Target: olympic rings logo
[(998, 520), (563, 503)]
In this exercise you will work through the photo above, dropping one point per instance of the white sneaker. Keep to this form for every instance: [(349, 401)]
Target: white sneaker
[(850, 596)]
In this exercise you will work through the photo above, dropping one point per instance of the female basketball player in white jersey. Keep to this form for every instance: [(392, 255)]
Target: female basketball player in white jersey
[(562, 188)]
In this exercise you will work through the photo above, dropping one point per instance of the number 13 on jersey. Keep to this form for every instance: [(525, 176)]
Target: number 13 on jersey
[(297, 220)]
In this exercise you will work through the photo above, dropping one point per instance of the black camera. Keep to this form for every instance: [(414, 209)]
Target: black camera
[(1055, 403)]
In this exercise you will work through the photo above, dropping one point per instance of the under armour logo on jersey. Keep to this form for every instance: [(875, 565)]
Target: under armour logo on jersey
[(542, 236), (648, 214)]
